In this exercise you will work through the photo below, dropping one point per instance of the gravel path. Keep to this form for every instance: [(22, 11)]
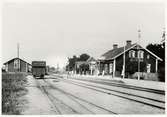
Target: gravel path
[(37, 101)]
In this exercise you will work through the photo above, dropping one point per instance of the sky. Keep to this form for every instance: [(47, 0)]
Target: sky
[(53, 31)]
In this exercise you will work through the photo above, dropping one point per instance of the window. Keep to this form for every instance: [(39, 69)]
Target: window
[(148, 56), (140, 54), (6, 67), (16, 64), (131, 54)]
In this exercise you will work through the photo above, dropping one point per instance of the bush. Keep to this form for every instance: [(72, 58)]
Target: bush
[(13, 86)]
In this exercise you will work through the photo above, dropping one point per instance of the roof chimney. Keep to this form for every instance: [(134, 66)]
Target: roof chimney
[(115, 46), (128, 43)]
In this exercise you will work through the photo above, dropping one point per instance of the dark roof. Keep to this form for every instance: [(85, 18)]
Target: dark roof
[(14, 59), (114, 52)]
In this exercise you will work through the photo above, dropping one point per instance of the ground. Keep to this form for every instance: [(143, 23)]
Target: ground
[(59, 95)]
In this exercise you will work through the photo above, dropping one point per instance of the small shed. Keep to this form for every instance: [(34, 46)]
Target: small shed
[(17, 65)]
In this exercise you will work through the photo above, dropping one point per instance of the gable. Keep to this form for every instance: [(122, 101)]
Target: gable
[(12, 60)]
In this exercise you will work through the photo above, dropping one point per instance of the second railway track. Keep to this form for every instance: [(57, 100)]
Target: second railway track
[(136, 98)]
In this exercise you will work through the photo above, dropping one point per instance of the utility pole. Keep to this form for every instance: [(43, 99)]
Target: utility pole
[(123, 69), (18, 50), (18, 61), (138, 51)]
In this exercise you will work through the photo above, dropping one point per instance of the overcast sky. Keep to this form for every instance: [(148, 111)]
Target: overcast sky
[(54, 31)]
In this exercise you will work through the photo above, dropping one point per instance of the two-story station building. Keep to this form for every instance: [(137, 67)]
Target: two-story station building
[(137, 60)]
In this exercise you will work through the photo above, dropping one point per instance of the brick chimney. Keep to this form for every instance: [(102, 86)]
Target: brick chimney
[(128, 43), (115, 46)]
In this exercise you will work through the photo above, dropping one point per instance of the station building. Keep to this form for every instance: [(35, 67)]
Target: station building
[(17, 65), (137, 60)]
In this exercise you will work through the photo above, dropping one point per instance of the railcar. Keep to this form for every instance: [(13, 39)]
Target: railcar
[(38, 69)]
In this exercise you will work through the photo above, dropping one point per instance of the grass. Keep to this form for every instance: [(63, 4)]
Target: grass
[(13, 87)]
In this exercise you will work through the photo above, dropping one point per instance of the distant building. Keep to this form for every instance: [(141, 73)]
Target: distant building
[(17, 65), (78, 65), (93, 66), (111, 62), (90, 67)]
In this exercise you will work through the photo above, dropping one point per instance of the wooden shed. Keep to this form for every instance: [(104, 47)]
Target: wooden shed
[(17, 65)]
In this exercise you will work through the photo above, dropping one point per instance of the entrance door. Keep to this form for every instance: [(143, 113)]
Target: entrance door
[(106, 69), (148, 68)]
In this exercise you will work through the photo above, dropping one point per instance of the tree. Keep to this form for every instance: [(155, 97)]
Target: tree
[(72, 61), (159, 50), (84, 57)]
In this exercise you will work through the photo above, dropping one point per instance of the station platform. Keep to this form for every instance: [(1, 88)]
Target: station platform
[(134, 82)]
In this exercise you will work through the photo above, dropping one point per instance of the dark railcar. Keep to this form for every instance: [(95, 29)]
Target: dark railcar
[(39, 69)]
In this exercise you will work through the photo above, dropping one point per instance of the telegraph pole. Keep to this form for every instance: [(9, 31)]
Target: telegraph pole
[(18, 50), (139, 36), (18, 47), (123, 64)]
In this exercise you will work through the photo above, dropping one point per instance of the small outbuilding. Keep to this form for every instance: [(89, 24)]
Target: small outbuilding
[(17, 65)]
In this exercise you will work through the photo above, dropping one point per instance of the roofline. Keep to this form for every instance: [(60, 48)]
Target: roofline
[(15, 58), (132, 47), (122, 52), (153, 54)]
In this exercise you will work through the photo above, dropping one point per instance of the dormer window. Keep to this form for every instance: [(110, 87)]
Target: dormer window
[(131, 54)]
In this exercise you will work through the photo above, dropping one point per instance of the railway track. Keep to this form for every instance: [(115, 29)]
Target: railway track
[(49, 97), (136, 98), (74, 98), (124, 86), (56, 103)]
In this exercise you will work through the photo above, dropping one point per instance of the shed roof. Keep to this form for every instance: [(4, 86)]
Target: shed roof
[(14, 59)]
